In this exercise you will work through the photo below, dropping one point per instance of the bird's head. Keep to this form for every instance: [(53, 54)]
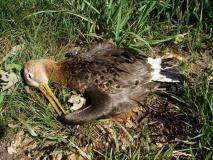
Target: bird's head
[(37, 71), (37, 74)]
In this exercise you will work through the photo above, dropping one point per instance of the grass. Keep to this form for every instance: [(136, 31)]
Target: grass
[(199, 107), (50, 28)]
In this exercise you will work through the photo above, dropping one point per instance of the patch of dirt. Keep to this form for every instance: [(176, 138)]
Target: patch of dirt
[(4, 155), (203, 64), (3, 151)]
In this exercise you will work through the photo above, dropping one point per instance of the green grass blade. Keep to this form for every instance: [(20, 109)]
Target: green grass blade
[(59, 11)]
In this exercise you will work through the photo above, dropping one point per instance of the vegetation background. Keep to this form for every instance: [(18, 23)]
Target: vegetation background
[(50, 28)]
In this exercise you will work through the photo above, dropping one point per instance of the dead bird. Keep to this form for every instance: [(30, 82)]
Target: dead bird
[(113, 80)]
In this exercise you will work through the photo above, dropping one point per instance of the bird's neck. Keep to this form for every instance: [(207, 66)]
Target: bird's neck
[(56, 75)]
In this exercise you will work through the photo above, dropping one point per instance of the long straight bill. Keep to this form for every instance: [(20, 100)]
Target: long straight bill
[(45, 89)]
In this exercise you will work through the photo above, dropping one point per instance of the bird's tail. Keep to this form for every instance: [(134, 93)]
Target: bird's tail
[(170, 79), (162, 72)]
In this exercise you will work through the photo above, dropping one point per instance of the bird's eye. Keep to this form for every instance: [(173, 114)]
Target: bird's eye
[(30, 76)]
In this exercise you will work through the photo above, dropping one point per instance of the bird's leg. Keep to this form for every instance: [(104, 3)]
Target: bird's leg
[(99, 106)]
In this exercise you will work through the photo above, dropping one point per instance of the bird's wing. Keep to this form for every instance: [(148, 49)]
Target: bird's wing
[(88, 52), (99, 106)]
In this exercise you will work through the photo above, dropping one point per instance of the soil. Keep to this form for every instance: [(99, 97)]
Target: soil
[(4, 155)]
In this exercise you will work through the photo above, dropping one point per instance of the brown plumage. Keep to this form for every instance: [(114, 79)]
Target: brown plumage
[(113, 80)]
